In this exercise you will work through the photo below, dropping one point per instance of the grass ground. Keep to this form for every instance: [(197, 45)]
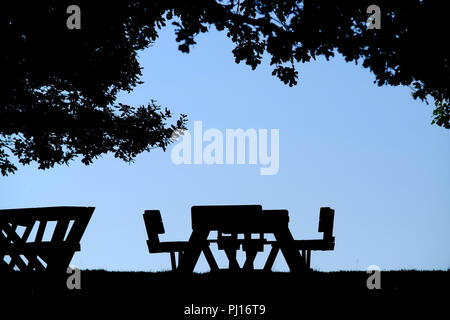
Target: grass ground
[(244, 295)]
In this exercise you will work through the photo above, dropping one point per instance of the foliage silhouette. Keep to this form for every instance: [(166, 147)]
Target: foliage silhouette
[(59, 86)]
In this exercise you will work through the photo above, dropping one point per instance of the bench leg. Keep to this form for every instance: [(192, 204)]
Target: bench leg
[(173, 262), (308, 259)]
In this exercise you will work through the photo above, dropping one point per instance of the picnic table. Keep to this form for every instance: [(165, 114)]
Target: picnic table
[(232, 221), (41, 239)]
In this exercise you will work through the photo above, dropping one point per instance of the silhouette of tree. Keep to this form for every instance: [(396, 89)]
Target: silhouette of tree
[(59, 86), (409, 49)]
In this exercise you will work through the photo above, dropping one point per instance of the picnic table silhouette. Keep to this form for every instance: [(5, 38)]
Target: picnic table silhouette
[(22, 244), (231, 220)]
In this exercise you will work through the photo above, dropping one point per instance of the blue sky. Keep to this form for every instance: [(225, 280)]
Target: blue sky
[(369, 152)]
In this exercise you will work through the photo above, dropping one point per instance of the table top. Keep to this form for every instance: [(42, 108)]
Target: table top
[(238, 219)]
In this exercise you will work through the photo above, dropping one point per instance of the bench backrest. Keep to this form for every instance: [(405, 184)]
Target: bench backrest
[(326, 221), (153, 222)]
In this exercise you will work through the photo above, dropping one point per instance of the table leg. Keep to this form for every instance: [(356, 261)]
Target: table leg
[(210, 258), (250, 252), (250, 256), (271, 258), (197, 241), (231, 255), (294, 259)]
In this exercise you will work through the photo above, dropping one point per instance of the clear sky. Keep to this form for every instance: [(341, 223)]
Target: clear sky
[(369, 152)]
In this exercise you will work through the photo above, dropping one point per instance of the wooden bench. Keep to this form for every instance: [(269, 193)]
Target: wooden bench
[(326, 222), (22, 243), (154, 226)]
